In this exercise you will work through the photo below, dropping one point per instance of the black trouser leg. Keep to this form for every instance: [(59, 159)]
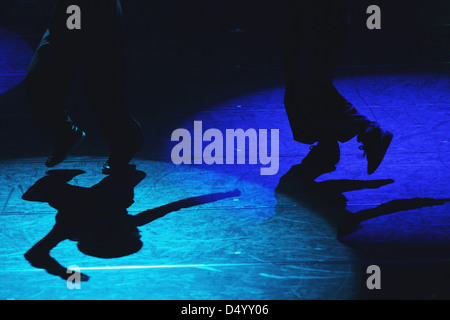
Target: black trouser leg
[(316, 32), (99, 49), (105, 78), (49, 78)]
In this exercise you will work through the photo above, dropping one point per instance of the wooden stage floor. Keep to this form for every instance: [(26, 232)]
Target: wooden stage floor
[(273, 238), (277, 239)]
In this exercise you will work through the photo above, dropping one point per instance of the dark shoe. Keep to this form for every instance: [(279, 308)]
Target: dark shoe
[(322, 159), (118, 162), (122, 152), (112, 167), (63, 144), (375, 142)]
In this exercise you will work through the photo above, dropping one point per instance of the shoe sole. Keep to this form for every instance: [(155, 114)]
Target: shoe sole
[(60, 160), (386, 142)]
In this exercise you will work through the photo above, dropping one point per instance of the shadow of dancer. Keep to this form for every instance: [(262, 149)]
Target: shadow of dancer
[(414, 265), (97, 217), (327, 199)]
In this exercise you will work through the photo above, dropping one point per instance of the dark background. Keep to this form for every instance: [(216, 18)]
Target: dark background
[(198, 33), (186, 55)]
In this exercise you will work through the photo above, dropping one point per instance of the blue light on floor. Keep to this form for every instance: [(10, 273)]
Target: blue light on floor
[(409, 101)]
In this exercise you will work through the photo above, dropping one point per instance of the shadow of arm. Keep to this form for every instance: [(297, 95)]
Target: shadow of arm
[(397, 206), (150, 215)]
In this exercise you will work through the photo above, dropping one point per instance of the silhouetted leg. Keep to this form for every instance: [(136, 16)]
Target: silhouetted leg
[(104, 81), (316, 32), (49, 79)]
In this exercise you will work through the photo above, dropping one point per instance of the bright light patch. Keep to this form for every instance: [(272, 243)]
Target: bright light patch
[(168, 266)]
